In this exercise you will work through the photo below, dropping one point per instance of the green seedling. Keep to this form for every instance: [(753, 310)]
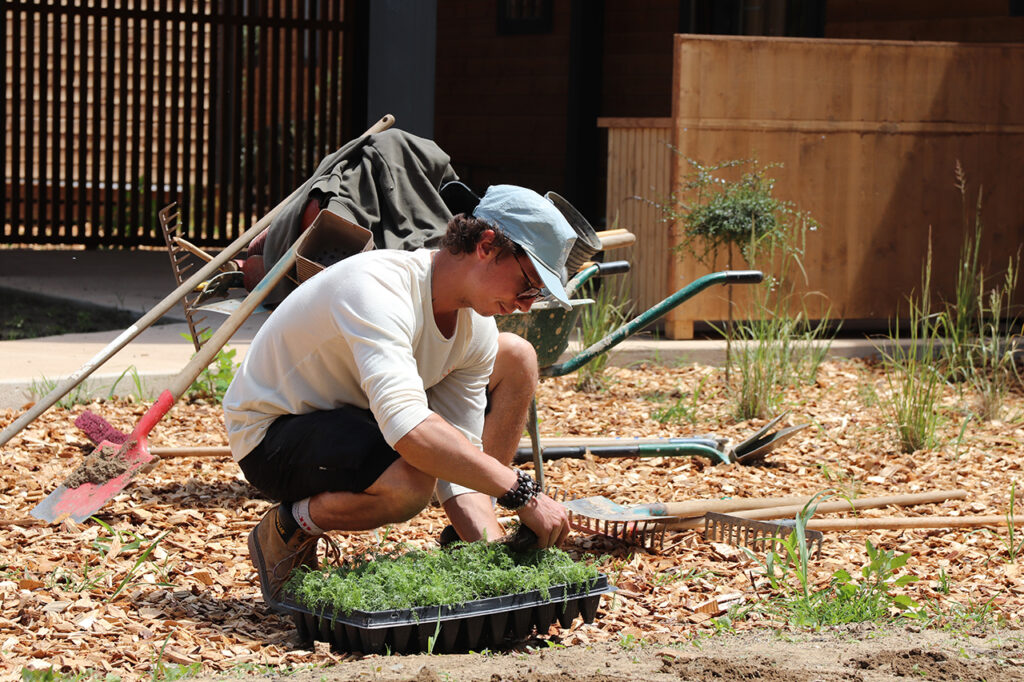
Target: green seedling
[(630, 641), (176, 671), (943, 582), (212, 383), (83, 581), (1014, 543), (973, 617), (432, 639), (138, 562), (674, 575), (684, 408), (43, 387), (459, 574), (140, 393)]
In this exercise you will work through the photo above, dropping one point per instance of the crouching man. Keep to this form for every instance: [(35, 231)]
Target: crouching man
[(385, 376)]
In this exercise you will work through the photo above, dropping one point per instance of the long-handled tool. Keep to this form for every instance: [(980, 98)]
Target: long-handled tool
[(646, 524), (789, 511), (69, 383), (718, 450), (111, 466), (755, 535)]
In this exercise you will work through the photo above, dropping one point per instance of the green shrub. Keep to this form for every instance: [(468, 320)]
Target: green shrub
[(716, 213), (845, 599), (212, 383)]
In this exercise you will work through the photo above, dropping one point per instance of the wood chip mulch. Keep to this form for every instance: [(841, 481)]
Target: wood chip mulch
[(194, 598)]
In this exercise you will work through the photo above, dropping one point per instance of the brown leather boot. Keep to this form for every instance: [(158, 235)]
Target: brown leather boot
[(275, 559)]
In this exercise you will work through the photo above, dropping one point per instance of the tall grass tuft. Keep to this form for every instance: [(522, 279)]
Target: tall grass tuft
[(609, 311), (978, 356), (776, 348), (775, 351), (990, 364), (912, 372)]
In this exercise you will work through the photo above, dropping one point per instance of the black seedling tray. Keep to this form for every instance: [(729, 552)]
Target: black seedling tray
[(479, 624)]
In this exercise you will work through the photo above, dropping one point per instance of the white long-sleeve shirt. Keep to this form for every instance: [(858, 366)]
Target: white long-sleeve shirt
[(362, 333)]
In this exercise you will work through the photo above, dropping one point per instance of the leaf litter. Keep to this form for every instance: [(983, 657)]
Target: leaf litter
[(194, 598)]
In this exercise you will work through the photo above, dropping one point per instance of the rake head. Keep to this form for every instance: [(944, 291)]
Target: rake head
[(601, 516), (754, 535)]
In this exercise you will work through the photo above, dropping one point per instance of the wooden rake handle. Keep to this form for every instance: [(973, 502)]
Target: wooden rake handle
[(790, 511), (908, 522)]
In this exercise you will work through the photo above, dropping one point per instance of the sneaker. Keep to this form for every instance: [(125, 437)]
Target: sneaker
[(275, 559)]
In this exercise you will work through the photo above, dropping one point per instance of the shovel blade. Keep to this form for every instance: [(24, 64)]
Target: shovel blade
[(101, 476)]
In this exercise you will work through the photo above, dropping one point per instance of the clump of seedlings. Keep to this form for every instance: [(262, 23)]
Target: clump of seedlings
[(456, 575)]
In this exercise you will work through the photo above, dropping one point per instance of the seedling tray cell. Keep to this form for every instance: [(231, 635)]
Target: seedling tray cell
[(494, 622)]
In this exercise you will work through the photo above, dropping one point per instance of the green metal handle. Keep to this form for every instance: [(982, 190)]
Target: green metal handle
[(615, 267), (682, 447), (650, 315)]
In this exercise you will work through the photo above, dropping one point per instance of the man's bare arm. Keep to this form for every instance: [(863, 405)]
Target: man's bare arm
[(437, 448)]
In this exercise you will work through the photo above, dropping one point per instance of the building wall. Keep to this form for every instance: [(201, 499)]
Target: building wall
[(501, 106), (985, 21), (500, 101), (637, 65)]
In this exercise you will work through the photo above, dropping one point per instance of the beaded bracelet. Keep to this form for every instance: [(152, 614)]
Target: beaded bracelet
[(522, 492)]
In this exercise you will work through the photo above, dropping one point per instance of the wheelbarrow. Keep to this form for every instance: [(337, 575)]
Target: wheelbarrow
[(548, 327)]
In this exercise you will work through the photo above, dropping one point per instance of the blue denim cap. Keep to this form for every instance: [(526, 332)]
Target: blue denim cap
[(532, 222)]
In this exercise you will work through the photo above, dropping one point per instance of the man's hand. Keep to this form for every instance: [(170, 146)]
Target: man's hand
[(547, 519)]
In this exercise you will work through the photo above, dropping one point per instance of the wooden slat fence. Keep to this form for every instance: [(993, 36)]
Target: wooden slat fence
[(114, 108), (639, 170)]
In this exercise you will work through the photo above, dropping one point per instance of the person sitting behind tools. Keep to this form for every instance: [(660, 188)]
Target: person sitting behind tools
[(382, 374)]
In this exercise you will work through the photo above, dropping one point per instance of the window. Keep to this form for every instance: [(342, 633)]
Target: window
[(518, 17)]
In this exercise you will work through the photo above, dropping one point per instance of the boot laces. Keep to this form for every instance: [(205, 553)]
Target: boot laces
[(284, 567)]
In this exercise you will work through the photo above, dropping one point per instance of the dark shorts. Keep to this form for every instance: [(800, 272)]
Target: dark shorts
[(307, 454)]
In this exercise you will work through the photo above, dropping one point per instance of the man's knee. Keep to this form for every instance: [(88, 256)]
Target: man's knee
[(403, 491), (516, 359)]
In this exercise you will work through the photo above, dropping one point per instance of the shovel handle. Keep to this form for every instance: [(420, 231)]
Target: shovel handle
[(154, 414), (202, 359)]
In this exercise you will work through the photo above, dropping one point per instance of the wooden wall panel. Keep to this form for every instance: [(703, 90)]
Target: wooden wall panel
[(639, 165), (868, 133)]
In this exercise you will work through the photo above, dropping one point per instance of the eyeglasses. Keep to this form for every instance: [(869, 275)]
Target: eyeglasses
[(531, 292)]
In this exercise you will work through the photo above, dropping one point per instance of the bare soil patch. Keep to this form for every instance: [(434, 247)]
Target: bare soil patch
[(193, 600), (868, 655)]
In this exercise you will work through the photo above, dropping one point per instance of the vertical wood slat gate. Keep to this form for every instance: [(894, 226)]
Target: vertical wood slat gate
[(115, 108)]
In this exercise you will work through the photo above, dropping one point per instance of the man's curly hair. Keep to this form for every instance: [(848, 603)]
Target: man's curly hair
[(464, 233)]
